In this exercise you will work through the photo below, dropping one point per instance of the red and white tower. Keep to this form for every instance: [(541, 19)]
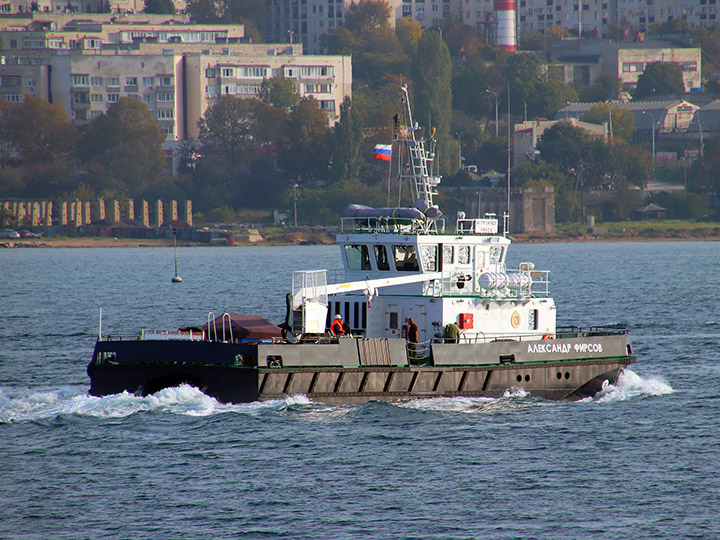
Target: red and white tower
[(505, 13)]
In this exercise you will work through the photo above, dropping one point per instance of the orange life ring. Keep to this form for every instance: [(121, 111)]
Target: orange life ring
[(548, 336)]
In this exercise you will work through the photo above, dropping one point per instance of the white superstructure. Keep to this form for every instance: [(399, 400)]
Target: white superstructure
[(402, 263)]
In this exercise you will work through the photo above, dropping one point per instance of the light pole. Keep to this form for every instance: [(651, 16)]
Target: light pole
[(459, 151), (496, 110), (653, 138)]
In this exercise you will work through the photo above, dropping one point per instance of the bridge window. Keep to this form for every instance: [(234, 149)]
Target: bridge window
[(463, 255), (405, 258), (358, 257), (381, 258), (448, 255), (429, 258)]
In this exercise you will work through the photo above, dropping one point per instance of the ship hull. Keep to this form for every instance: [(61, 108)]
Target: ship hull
[(371, 370)]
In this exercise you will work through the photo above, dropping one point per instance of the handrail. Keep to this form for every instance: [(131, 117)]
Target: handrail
[(211, 321), (229, 320)]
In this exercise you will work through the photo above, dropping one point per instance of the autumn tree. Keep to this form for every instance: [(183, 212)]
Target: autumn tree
[(40, 131), (122, 149), (659, 78), (621, 122), (408, 32)]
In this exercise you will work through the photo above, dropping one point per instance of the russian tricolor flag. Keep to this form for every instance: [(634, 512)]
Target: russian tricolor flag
[(383, 151)]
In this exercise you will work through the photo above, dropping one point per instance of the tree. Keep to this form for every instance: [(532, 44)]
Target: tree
[(123, 148), (606, 86), (368, 17), (40, 131), (659, 78), (305, 150), (161, 7), (563, 144), (348, 138), (227, 128), (623, 121), (279, 92), (207, 11), (408, 32), (431, 71)]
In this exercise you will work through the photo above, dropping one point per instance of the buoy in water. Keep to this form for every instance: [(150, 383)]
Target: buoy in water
[(176, 278)]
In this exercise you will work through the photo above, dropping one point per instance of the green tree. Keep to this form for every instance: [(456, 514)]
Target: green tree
[(348, 138), (123, 148), (279, 92), (40, 131), (659, 78), (564, 144), (368, 17), (606, 86), (227, 129), (207, 11), (623, 121), (431, 71), (305, 150), (161, 7)]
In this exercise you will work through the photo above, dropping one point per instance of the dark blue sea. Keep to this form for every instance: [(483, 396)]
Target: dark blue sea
[(639, 461)]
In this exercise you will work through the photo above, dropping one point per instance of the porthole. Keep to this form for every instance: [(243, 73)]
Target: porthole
[(559, 375), (567, 374), (519, 378), (527, 378)]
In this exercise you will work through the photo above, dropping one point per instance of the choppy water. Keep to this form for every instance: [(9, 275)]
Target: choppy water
[(638, 461)]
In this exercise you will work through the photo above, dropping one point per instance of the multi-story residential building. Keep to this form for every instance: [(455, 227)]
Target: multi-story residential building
[(583, 60), (304, 21), (79, 6), (178, 71)]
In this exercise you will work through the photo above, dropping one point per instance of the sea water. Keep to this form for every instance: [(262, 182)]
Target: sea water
[(640, 460)]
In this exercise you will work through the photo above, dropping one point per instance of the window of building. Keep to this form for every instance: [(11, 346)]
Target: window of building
[(358, 257), (381, 258), (96, 81), (148, 81), (96, 98), (131, 81), (165, 81), (165, 114), (113, 82), (80, 80), (405, 258), (112, 98), (228, 72), (148, 98), (165, 96)]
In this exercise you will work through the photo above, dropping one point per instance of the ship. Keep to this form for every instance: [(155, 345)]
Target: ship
[(428, 309)]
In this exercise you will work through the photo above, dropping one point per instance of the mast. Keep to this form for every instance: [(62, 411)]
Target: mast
[(419, 159)]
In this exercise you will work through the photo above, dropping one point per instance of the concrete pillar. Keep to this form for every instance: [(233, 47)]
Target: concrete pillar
[(188, 213), (145, 213), (131, 210), (35, 214), (115, 209), (159, 220), (21, 213), (64, 213), (48, 214), (87, 213), (101, 208), (173, 211), (77, 215)]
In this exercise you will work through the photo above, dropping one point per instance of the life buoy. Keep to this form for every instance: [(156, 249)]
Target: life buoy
[(548, 336)]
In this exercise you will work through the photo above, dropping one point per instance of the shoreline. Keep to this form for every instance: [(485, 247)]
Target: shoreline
[(327, 239)]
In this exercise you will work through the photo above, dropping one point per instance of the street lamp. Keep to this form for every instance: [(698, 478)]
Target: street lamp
[(459, 151), (496, 110), (653, 137)]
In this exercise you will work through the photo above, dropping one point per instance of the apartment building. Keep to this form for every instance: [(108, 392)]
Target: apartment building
[(304, 21), (178, 71), (583, 60)]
